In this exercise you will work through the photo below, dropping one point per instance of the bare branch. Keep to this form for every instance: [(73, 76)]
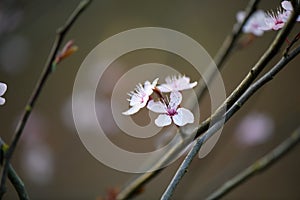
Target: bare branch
[(258, 166), (61, 32), (211, 131)]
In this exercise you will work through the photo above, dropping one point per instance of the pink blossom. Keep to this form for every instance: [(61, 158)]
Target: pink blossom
[(140, 97), (256, 20), (175, 83), (3, 88), (171, 111), (254, 129), (275, 20)]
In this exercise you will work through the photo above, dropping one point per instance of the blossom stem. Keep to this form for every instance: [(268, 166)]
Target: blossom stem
[(61, 32), (291, 43), (159, 94)]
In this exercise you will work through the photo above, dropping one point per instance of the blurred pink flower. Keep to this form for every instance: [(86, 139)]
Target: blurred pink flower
[(170, 111), (3, 88), (254, 129), (175, 83), (38, 163), (140, 97)]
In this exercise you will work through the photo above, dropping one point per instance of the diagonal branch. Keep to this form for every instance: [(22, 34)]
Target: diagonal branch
[(258, 166), (211, 131), (226, 48), (61, 32), (220, 58), (254, 72)]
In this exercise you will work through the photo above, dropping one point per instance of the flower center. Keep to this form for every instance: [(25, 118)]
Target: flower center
[(172, 112), (278, 21)]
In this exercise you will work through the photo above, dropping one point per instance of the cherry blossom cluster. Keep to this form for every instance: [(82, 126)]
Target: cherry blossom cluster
[(150, 95), (261, 21), (3, 88)]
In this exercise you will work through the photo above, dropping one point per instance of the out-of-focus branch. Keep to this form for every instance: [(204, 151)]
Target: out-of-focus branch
[(258, 166), (254, 72), (61, 32), (223, 53), (226, 48), (236, 106), (13, 176)]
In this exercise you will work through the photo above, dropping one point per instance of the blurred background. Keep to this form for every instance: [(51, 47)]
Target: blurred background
[(50, 157)]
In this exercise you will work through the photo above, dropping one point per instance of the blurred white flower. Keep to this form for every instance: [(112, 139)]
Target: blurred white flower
[(103, 111), (139, 97), (170, 111), (3, 88), (288, 7), (175, 83), (254, 129), (38, 159), (38, 163), (256, 20)]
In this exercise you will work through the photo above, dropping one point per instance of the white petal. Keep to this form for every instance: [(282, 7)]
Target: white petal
[(183, 117), (134, 100), (3, 88), (132, 110), (240, 16), (168, 80), (163, 120), (175, 99), (268, 25), (157, 107), (191, 85), (184, 83), (258, 32), (148, 89), (2, 101), (154, 83), (287, 5), (164, 88)]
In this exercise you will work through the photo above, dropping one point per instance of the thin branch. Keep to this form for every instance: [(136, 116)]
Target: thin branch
[(236, 106), (223, 53), (13, 176), (61, 32), (258, 166), (226, 48), (295, 39), (254, 72)]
